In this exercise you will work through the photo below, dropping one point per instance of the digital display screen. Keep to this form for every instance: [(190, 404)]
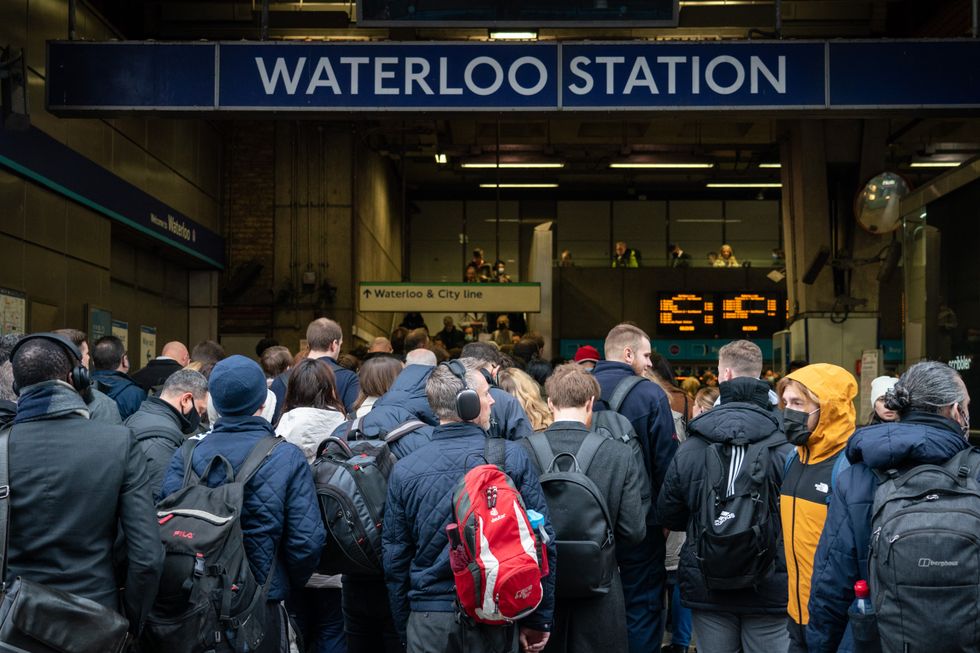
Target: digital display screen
[(511, 12), (741, 314)]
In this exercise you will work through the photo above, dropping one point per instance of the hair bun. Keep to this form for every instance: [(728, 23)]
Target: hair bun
[(897, 398)]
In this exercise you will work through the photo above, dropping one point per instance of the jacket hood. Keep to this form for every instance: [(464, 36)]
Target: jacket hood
[(745, 389), (836, 388), (919, 439), (405, 400), (306, 427), (48, 400), (735, 422)]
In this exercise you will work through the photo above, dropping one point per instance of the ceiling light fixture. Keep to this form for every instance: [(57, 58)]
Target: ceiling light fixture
[(515, 165), (743, 184), (662, 166), (513, 36), (935, 164), (442, 159), (770, 165), (520, 185)]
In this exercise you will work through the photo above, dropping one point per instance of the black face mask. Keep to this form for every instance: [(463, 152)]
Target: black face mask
[(795, 426), (191, 421)]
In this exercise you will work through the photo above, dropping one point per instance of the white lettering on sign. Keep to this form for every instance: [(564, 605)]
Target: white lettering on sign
[(462, 297), (175, 227), (402, 75), (723, 74)]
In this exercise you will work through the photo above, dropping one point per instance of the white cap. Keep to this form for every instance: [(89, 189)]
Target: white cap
[(880, 386)]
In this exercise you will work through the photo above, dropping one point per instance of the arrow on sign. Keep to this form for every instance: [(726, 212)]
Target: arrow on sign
[(367, 293)]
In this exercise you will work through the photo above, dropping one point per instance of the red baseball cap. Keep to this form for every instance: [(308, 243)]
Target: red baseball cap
[(587, 353)]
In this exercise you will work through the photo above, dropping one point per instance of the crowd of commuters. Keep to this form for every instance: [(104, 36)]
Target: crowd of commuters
[(683, 470)]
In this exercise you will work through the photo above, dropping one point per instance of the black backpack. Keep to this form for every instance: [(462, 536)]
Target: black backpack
[(925, 556), (351, 484), (612, 424), (580, 517), (736, 526), (207, 589)]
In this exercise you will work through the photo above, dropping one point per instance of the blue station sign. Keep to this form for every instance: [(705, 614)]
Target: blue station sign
[(99, 78)]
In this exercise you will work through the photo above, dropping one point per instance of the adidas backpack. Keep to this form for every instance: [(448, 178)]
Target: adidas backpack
[(207, 589), (580, 517), (736, 526), (505, 561), (352, 484), (925, 556)]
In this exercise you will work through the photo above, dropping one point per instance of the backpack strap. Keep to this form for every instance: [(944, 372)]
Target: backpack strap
[(4, 502), (495, 452), (840, 465), (623, 388), (543, 452), (355, 429), (256, 457), (187, 451), (400, 432), (588, 449)]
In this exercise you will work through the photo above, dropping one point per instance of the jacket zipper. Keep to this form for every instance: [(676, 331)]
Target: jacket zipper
[(796, 561)]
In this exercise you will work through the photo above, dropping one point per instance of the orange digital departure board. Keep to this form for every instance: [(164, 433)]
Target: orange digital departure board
[(721, 314)]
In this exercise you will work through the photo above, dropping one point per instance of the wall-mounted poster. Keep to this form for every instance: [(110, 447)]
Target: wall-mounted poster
[(120, 329), (148, 345), (99, 323), (13, 311)]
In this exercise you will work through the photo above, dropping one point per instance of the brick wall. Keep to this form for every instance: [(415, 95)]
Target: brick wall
[(249, 183)]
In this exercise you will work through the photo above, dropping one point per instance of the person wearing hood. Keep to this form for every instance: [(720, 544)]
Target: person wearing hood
[(934, 422), (818, 418), (312, 411), (161, 423), (751, 618)]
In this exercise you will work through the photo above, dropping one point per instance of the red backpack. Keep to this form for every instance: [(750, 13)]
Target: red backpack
[(497, 559)]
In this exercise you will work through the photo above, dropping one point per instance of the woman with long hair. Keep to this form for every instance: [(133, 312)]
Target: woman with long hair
[(311, 412), (375, 376), (528, 393)]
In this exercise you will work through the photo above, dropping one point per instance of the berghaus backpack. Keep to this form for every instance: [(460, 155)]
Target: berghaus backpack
[(735, 528), (505, 560), (208, 594), (580, 517), (925, 557), (351, 481)]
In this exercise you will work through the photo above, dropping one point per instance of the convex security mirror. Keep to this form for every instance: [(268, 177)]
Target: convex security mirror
[(877, 205)]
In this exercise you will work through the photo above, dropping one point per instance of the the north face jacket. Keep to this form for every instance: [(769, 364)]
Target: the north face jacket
[(842, 555), (806, 485), (281, 510)]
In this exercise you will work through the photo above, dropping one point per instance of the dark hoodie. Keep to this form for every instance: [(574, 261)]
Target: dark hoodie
[(404, 401), (842, 554), (745, 414)]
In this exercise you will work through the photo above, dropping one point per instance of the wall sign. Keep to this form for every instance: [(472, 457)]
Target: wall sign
[(450, 297), (99, 323), (120, 329), (148, 345), (13, 311), (127, 77)]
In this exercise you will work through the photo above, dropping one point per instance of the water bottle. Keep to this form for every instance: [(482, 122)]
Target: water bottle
[(864, 622), (537, 525)]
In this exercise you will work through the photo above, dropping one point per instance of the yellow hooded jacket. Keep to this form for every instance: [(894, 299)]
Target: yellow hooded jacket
[(806, 486)]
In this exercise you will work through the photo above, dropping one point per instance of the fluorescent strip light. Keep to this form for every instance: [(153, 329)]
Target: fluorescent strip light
[(936, 164), (743, 184), (708, 220), (770, 165), (513, 36), (508, 185), (663, 166), (442, 158), (514, 165)]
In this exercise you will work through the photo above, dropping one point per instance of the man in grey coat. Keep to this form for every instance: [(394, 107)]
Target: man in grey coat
[(593, 625), (162, 423)]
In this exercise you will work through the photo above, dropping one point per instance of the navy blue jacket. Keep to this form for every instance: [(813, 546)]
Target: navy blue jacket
[(419, 506), (121, 389), (280, 508), (404, 401), (507, 417), (648, 410), (842, 554), (348, 387)]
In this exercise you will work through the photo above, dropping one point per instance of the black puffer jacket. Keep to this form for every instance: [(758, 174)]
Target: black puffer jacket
[(157, 427), (745, 412)]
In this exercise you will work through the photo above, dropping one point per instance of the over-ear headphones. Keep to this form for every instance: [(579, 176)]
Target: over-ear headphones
[(467, 400), (80, 378)]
